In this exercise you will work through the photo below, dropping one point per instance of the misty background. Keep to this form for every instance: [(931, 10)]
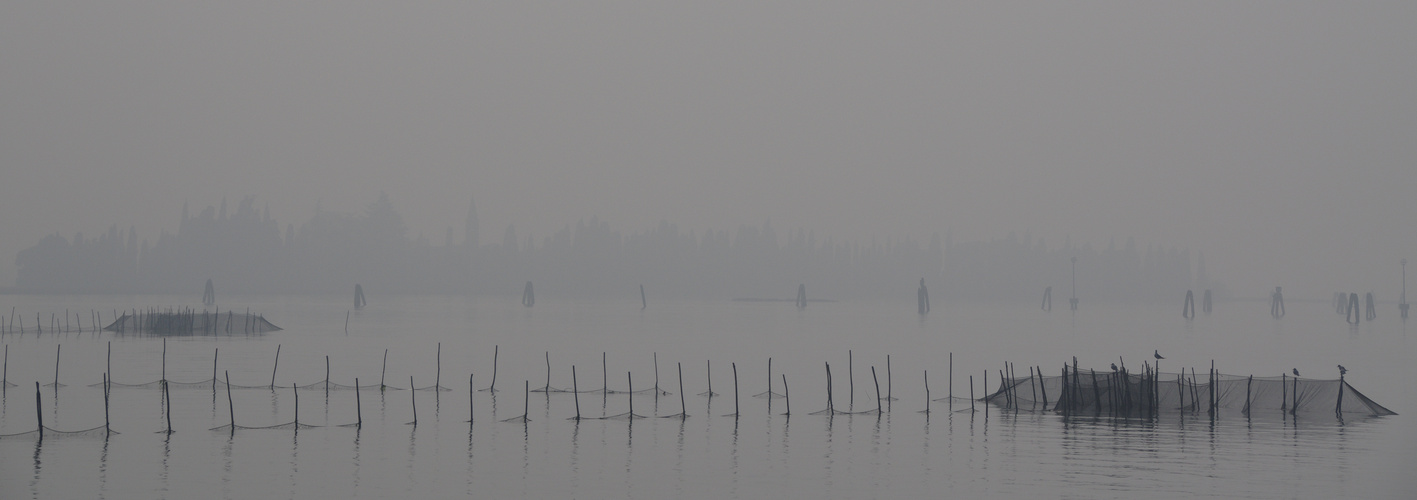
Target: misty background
[(1276, 138)]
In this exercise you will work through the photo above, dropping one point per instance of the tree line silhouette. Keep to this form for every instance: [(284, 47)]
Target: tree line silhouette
[(246, 251)]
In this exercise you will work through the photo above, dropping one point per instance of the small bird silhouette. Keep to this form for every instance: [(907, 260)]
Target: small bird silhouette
[(1114, 367), (1157, 354), (1342, 370), (1296, 371)]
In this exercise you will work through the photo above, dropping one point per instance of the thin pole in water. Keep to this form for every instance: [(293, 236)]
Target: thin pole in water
[(385, 369), (888, 379), (656, 374), (576, 391), (850, 381), (683, 409), (786, 397), (296, 391), (971, 393), (346, 322), (878, 390), (105, 402), (215, 352), (38, 413), (630, 394), (438, 373), (735, 389), (927, 391), (359, 412), (526, 401), (470, 391), (56, 366), (164, 360), (548, 372), (327, 377), (495, 349), (229, 405), (413, 399), (952, 380), (275, 367), (166, 394), (709, 366)]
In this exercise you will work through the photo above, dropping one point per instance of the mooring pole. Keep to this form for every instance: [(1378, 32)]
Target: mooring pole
[(385, 369), (38, 413), (495, 349), (105, 402), (576, 391), (470, 391), (412, 399), (850, 382), (359, 412), (229, 406), (683, 410), (878, 390), (735, 390), (786, 396), (275, 367), (927, 391)]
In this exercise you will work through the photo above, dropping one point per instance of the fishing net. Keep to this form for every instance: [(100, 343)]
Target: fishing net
[(190, 323), (291, 426), (96, 432), (173, 384), (1125, 393), (325, 385)]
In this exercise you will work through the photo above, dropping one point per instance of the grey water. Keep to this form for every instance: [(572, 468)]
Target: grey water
[(761, 452)]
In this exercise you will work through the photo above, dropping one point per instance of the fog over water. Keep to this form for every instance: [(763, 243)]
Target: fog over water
[(1275, 137)]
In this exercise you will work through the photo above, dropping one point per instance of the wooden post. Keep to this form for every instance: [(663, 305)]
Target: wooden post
[(850, 382), (359, 412), (927, 391), (1248, 382), (327, 377), (438, 373), (164, 360), (1338, 408), (709, 367), (296, 391), (105, 402), (229, 405), (683, 410), (346, 322), (495, 349), (952, 381), (275, 367), (56, 365), (470, 391), (643, 302), (1032, 385), (878, 390), (413, 400), (656, 375), (971, 393), (630, 394), (1096, 392), (38, 413), (1283, 392), (526, 399), (576, 391), (215, 352), (735, 389), (786, 396), (1043, 388), (385, 369)]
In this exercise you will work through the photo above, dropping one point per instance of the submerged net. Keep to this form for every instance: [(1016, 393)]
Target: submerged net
[(96, 432), (290, 426), (190, 323), (1124, 393)]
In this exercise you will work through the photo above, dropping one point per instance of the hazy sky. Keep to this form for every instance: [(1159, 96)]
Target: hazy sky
[(1279, 138)]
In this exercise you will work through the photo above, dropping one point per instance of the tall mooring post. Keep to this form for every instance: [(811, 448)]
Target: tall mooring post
[(528, 297), (1276, 303), (1048, 299), (359, 301), (1188, 310), (802, 296), (209, 294), (1351, 313)]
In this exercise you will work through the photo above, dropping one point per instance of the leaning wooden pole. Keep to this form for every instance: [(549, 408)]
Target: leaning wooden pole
[(275, 367), (358, 411), (576, 391), (38, 413), (735, 389), (786, 396), (878, 390), (229, 406)]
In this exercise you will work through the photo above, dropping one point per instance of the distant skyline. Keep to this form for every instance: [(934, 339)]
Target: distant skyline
[(1276, 137)]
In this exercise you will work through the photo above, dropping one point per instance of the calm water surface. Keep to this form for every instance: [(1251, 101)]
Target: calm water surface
[(762, 452)]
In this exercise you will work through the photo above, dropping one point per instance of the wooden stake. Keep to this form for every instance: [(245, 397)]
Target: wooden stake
[(927, 391), (275, 367), (576, 391), (385, 369), (683, 409), (971, 393), (438, 373), (850, 382), (470, 391), (735, 390), (215, 352), (359, 412), (413, 399), (105, 402), (56, 366), (327, 377), (786, 396), (495, 349), (229, 404), (296, 390), (878, 390), (38, 413)]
